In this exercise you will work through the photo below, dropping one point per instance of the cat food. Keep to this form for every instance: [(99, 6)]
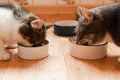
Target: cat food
[(65, 27), (35, 45), (41, 44), (32, 53), (94, 51)]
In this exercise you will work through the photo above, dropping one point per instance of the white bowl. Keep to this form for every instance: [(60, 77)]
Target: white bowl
[(32, 53), (95, 51)]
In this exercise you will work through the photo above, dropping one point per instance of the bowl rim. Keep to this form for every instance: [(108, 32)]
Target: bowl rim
[(102, 43), (57, 23), (35, 46)]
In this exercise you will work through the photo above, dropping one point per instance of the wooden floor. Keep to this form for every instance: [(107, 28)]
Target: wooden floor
[(59, 65)]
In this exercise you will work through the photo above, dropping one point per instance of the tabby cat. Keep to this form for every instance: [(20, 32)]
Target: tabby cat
[(94, 23)]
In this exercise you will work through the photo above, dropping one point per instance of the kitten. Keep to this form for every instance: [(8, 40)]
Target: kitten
[(93, 24), (18, 25)]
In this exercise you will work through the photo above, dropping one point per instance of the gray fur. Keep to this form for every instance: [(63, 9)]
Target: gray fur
[(106, 19)]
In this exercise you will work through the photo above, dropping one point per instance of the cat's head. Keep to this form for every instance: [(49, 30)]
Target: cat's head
[(89, 28), (33, 31)]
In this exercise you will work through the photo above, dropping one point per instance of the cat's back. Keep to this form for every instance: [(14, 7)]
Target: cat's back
[(6, 10), (107, 9), (6, 15), (109, 14), (111, 6), (8, 24)]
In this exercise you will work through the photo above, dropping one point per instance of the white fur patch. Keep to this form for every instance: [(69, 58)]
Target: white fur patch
[(8, 26)]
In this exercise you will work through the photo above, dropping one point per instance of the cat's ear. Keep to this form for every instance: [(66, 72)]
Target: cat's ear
[(86, 13), (79, 11), (37, 24)]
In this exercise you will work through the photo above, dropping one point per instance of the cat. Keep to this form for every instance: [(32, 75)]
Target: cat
[(95, 23), (18, 25)]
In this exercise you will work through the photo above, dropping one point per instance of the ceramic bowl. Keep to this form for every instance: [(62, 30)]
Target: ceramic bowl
[(95, 51), (32, 53), (65, 27)]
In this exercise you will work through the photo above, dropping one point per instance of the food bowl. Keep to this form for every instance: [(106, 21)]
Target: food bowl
[(32, 53), (94, 51), (65, 27)]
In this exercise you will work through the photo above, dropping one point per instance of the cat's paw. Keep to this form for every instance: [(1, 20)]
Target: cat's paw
[(5, 56)]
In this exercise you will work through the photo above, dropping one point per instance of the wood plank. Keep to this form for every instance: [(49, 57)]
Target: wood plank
[(118, 0), (101, 69), (57, 8), (67, 2), (91, 2), (51, 8), (51, 13), (3, 65), (57, 16), (21, 2), (44, 2), (109, 1), (77, 1), (2, 1), (51, 68), (61, 2)]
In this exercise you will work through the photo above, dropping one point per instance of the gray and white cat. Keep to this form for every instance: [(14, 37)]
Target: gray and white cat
[(18, 25)]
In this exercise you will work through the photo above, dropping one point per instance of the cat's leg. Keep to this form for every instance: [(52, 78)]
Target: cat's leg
[(3, 54)]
